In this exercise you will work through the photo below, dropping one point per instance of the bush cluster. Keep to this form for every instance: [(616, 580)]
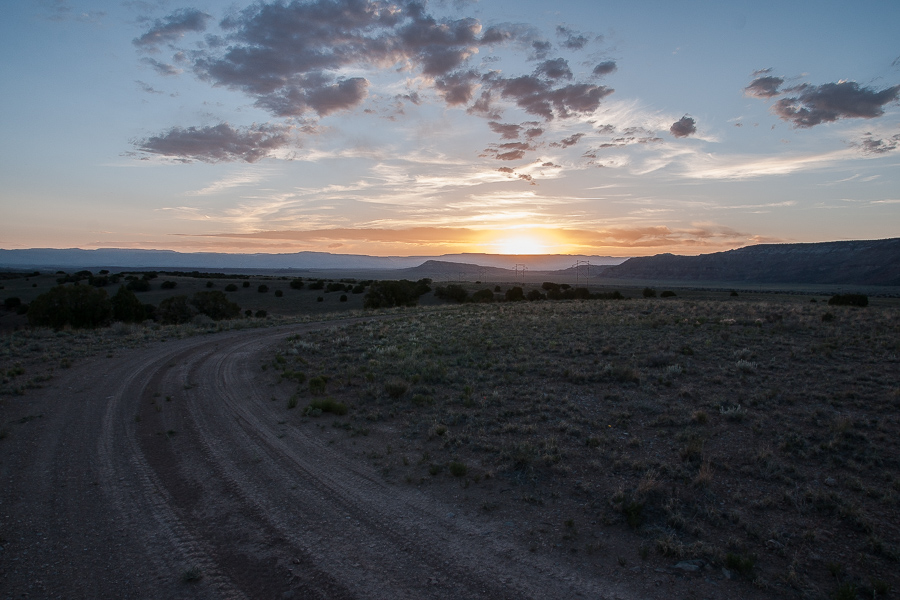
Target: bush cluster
[(849, 300), (385, 294)]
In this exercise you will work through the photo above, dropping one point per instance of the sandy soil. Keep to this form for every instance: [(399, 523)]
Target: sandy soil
[(168, 472)]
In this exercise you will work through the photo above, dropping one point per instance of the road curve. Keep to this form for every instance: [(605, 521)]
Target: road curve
[(168, 472)]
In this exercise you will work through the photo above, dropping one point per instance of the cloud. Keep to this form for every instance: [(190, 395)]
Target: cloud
[(507, 131), (826, 103), (538, 96), (217, 143), (764, 87), (558, 68), (172, 28), (571, 39), (683, 127), (60, 10), (506, 170), (322, 97), (870, 145), (509, 151), (604, 68), (146, 87), (569, 141), (161, 68)]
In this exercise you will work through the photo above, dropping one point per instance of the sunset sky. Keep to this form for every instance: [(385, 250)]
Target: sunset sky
[(401, 128)]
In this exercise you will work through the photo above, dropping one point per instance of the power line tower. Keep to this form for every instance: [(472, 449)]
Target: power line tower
[(585, 266), (520, 273)]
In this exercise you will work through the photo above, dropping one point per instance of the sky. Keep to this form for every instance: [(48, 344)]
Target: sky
[(419, 129)]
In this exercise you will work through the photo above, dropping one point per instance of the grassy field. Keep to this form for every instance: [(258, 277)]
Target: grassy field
[(757, 435), (761, 439)]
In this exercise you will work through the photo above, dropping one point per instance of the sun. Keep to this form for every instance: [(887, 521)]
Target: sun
[(521, 244)]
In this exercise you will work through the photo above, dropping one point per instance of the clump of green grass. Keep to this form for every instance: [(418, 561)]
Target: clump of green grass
[(458, 469), (325, 405)]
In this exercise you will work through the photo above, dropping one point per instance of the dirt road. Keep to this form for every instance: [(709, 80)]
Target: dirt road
[(168, 472)]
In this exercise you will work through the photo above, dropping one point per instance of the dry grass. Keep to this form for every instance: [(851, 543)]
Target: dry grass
[(751, 435)]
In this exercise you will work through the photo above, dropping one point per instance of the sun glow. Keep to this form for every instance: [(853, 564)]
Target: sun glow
[(521, 244)]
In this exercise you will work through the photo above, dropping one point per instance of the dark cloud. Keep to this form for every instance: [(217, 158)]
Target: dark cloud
[(508, 151), (161, 68), (289, 57), (323, 97), (458, 88), (683, 127), (526, 177), (541, 49), (571, 39), (764, 87), (870, 145), (558, 68), (172, 28), (606, 129), (217, 143), (604, 68), (569, 141), (506, 170), (550, 164), (826, 103), (538, 96), (507, 131)]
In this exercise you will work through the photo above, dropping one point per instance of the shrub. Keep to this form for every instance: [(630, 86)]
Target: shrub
[(168, 285), (484, 295), (126, 306), (246, 284), (210, 284), (12, 303), (337, 287), (827, 317), (343, 298), (317, 385), (215, 305), (667, 294), (317, 285), (297, 284), (231, 288), (453, 292), (262, 289), (733, 294), (139, 285), (514, 294), (175, 310), (279, 293), (78, 306), (358, 289), (395, 388), (458, 469), (649, 293), (261, 314), (320, 299), (325, 405), (385, 294), (849, 300), (535, 295), (549, 286)]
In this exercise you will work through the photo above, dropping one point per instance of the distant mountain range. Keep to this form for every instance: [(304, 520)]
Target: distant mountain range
[(867, 262), (117, 258)]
